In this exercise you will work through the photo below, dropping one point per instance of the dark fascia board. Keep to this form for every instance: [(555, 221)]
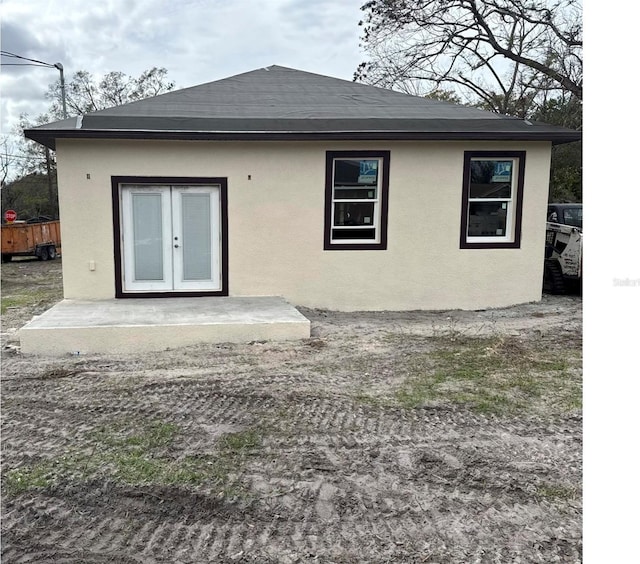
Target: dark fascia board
[(47, 137)]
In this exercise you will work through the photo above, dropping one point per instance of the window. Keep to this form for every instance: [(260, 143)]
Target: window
[(492, 199), (357, 185)]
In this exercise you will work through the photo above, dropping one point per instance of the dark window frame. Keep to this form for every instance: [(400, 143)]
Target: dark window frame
[(519, 194), (117, 181), (379, 245)]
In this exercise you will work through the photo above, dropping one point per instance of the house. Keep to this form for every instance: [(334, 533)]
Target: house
[(329, 193)]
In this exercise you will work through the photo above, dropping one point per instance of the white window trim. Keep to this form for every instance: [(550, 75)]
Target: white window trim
[(380, 203), (377, 201), (513, 227), (509, 236)]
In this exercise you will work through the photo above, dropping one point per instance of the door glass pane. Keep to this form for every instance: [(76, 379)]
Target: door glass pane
[(147, 236), (196, 236)]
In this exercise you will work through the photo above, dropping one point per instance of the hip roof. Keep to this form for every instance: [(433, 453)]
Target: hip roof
[(280, 103)]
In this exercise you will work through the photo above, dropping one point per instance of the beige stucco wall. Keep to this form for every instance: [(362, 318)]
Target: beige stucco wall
[(276, 223)]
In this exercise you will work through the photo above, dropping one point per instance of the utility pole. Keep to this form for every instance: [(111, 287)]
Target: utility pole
[(48, 154), (37, 63), (64, 96)]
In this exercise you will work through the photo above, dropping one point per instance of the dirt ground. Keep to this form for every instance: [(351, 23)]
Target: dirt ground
[(450, 437)]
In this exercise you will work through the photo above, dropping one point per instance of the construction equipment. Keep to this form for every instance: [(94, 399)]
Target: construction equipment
[(563, 249), (40, 239)]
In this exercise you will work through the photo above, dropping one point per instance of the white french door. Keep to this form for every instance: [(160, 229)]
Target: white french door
[(171, 238)]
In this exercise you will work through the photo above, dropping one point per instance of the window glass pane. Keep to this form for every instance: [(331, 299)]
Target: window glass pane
[(341, 193), (353, 234), (147, 236), (356, 172), (487, 219), (350, 213), (490, 179)]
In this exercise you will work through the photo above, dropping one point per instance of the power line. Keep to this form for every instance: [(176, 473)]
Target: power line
[(26, 157), (13, 55), (57, 66), (19, 65)]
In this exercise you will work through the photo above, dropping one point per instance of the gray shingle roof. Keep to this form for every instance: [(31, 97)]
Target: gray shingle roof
[(282, 103)]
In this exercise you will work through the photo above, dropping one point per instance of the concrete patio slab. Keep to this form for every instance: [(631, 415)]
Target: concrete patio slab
[(143, 325)]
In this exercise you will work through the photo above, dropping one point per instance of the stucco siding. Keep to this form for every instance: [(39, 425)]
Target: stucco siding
[(276, 223)]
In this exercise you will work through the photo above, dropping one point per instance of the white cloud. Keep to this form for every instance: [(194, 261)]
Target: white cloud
[(196, 40)]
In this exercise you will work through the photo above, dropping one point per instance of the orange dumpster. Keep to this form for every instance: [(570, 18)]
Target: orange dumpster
[(41, 240)]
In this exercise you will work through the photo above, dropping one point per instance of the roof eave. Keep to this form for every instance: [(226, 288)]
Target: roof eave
[(48, 137)]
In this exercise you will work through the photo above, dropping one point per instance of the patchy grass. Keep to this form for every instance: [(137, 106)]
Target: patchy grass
[(20, 480), (16, 301), (367, 398), (497, 375), (29, 298), (126, 433), (553, 492), (29, 285), (146, 455), (239, 443)]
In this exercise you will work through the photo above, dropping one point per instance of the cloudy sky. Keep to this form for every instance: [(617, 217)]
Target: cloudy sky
[(197, 41)]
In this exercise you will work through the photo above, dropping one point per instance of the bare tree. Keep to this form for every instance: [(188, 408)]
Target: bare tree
[(502, 54), (31, 156), (85, 93), (7, 159)]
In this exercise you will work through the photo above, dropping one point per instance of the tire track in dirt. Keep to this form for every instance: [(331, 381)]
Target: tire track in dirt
[(341, 421), (207, 536), (219, 540), (341, 472), (334, 478)]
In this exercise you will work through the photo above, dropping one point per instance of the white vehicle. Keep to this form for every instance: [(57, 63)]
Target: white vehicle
[(563, 250)]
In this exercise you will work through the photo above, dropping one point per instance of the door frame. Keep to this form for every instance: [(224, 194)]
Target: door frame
[(117, 181)]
